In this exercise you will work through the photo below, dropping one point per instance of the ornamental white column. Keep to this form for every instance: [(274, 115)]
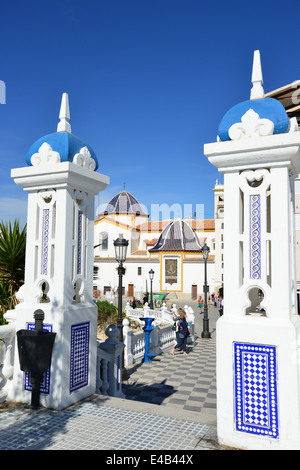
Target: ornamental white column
[(61, 183), (258, 383)]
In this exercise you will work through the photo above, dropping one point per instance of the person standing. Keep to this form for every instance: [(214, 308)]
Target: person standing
[(182, 332), (200, 303)]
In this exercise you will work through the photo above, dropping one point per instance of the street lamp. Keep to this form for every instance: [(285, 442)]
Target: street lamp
[(120, 249), (205, 332), (151, 275)]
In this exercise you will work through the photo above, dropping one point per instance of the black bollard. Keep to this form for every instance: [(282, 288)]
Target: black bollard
[(35, 349), (36, 378)]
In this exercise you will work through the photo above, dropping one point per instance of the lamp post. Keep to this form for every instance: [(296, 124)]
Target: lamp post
[(205, 332), (151, 275), (120, 249)]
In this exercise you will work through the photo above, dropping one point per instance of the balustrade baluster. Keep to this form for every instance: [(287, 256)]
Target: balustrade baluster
[(104, 376)]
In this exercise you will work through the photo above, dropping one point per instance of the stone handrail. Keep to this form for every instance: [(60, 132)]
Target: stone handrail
[(7, 343), (164, 315)]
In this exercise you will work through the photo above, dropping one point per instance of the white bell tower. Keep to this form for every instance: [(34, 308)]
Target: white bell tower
[(61, 183), (258, 381)]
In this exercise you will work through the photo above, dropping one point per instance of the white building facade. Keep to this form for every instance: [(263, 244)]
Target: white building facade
[(172, 249)]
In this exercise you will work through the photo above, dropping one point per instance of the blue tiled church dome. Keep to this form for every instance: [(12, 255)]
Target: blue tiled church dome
[(178, 236), (123, 203)]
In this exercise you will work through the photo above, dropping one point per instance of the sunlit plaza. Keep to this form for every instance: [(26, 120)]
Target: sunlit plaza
[(149, 239)]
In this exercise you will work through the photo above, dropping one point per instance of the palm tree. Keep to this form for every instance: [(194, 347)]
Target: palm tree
[(12, 261)]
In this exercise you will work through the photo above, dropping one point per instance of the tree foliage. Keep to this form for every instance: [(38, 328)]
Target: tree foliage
[(12, 263)]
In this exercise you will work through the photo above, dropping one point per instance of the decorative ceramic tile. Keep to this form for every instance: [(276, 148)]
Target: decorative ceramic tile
[(45, 240), (79, 357), (255, 237), (255, 388), (45, 385), (79, 242)]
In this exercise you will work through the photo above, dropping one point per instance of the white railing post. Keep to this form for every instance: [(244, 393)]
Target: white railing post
[(164, 308), (154, 339), (114, 349), (190, 317), (102, 383), (127, 309), (127, 338), (146, 310)]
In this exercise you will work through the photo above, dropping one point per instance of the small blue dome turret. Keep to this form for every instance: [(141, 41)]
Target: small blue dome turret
[(258, 116), (63, 142), (266, 108), (66, 144)]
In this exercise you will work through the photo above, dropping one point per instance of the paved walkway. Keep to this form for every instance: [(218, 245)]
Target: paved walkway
[(170, 405), (184, 385)]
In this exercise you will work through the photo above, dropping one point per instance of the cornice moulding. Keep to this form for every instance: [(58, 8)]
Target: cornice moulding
[(61, 175), (264, 151)]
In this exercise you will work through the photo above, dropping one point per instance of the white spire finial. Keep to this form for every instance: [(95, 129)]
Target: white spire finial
[(257, 90), (64, 115)]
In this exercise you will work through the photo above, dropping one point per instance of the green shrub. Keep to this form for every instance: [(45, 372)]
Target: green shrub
[(107, 312)]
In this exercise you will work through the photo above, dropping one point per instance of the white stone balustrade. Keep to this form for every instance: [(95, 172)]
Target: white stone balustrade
[(7, 342), (163, 314), (162, 336), (109, 364)]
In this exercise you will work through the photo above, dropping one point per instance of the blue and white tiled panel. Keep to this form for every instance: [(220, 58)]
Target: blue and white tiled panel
[(255, 389), (45, 385), (79, 356)]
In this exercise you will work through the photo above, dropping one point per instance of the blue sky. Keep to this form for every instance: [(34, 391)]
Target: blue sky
[(148, 83)]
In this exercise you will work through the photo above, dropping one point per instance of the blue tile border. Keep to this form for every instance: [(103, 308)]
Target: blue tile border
[(255, 236), (79, 242), (255, 389), (45, 240)]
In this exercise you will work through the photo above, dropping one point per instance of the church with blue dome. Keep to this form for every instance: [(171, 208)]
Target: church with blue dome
[(171, 248)]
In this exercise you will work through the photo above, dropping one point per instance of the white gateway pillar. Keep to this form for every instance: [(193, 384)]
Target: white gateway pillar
[(258, 381), (61, 182)]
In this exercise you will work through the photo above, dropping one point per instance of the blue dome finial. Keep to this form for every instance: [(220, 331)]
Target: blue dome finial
[(257, 90), (64, 115), (62, 145), (258, 117)]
